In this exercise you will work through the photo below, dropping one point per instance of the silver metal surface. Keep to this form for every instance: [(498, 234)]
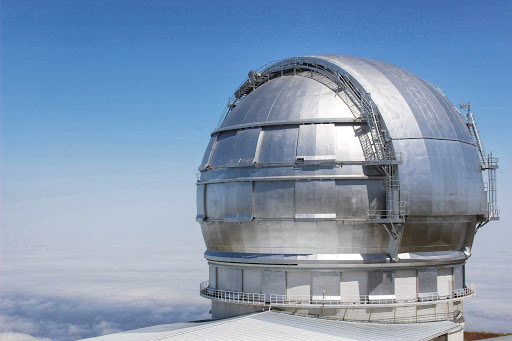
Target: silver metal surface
[(347, 260), (440, 174), (338, 162)]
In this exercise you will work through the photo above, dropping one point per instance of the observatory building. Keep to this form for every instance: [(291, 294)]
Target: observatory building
[(334, 191), (346, 188)]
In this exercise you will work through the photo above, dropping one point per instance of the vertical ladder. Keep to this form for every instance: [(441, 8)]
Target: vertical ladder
[(375, 143), (488, 163)]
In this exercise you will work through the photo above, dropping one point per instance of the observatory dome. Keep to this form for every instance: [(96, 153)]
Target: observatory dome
[(331, 170)]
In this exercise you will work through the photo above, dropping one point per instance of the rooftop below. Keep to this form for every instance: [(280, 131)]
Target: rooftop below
[(272, 324)]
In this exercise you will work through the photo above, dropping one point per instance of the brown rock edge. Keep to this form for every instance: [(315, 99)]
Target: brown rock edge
[(470, 336)]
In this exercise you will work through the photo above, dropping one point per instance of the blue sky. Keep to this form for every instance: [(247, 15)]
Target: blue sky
[(107, 106)]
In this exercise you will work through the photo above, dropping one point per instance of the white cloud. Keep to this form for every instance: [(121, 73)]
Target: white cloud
[(10, 336), (105, 327), (488, 269), (85, 294), (65, 296)]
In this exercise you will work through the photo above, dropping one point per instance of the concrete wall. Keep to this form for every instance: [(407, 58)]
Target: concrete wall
[(458, 277), (380, 283), (273, 282), (354, 284), (213, 276), (229, 279), (427, 280), (408, 283), (444, 281), (252, 281), (298, 283), (222, 310), (326, 284)]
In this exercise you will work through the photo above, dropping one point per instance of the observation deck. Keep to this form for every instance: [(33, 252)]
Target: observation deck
[(309, 301)]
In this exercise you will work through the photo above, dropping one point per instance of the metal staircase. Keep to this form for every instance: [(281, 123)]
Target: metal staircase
[(488, 163), (374, 138)]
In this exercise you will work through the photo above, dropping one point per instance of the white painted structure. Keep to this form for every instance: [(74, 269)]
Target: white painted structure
[(270, 325)]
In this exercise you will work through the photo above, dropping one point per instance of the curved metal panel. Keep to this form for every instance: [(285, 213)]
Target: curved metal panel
[(289, 98), (348, 147), (235, 148), (200, 199), (224, 150), (215, 201), (253, 106), (295, 237), (441, 177), (278, 145), (346, 261), (410, 108), (274, 200), (355, 197), (315, 200), (316, 143), (436, 117), (302, 185), (207, 153), (238, 201), (246, 142), (431, 134), (265, 102), (435, 236), (319, 102), (289, 105)]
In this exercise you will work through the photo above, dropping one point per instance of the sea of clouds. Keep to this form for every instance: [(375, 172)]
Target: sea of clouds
[(77, 294), (74, 294), (490, 270)]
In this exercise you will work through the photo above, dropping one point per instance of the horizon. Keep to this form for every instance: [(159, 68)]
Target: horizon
[(107, 108)]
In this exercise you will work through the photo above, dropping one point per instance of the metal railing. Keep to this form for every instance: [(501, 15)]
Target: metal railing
[(364, 301), (388, 158), (493, 213), (397, 213), (377, 149), (450, 316), (488, 163), (340, 83), (231, 296)]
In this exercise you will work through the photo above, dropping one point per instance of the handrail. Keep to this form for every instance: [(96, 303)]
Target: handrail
[(450, 316), (379, 214), (376, 147), (365, 301), (488, 163)]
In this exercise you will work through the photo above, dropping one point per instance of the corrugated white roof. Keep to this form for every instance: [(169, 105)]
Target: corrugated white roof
[(283, 326)]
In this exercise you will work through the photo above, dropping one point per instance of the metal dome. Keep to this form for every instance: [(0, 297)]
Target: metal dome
[(337, 161)]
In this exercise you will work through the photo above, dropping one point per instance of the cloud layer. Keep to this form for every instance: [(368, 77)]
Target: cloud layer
[(79, 295), (74, 295), (20, 337), (491, 309)]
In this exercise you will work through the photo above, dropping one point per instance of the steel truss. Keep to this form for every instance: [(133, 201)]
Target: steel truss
[(374, 137)]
